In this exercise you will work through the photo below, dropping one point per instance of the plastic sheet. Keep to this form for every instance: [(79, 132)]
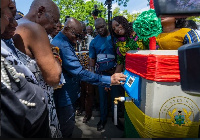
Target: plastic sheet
[(162, 68)]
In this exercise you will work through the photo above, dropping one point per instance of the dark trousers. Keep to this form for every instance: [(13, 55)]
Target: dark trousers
[(115, 92), (66, 117), (87, 97)]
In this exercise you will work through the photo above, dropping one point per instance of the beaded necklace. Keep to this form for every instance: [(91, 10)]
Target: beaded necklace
[(6, 68)]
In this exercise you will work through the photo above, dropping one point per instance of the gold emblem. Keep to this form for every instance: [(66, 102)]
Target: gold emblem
[(180, 119)]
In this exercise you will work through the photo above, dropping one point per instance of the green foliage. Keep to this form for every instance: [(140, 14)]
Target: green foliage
[(196, 19), (116, 12), (130, 17), (124, 2), (80, 9)]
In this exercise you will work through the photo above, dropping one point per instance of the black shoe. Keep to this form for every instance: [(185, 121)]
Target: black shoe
[(86, 118), (100, 125)]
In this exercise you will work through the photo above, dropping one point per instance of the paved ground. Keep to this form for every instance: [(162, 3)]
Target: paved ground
[(89, 130)]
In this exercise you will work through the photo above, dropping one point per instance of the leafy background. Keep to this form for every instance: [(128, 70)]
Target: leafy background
[(82, 10)]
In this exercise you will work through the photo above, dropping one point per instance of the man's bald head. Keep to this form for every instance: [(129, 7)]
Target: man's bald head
[(89, 27), (45, 13), (72, 29), (73, 23), (101, 27), (48, 4), (89, 30), (99, 20)]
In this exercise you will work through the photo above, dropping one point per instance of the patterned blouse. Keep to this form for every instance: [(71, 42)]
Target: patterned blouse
[(123, 45)]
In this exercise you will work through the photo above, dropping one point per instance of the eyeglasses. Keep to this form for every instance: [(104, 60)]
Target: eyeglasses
[(80, 36)]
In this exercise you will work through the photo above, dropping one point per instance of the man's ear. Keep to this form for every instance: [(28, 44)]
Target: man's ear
[(41, 11)]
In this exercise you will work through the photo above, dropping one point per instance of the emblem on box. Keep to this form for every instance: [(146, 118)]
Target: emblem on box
[(180, 119)]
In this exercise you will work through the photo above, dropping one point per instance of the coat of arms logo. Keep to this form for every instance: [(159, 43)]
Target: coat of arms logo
[(180, 117)]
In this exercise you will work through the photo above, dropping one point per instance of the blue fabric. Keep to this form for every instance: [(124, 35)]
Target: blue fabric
[(191, 37), (10, 44), (103, 45), (73, 72), (100, 45)]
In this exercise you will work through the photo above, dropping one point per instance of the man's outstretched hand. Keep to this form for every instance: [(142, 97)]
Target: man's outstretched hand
[(118, 79)]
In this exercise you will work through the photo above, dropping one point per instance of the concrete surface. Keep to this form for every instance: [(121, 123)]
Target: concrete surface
[(89, 130)]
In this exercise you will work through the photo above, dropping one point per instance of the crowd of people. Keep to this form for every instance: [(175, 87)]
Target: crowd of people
[(47, 68)]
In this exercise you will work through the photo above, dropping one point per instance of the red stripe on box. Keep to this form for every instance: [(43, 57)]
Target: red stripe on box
[(161, 68)]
